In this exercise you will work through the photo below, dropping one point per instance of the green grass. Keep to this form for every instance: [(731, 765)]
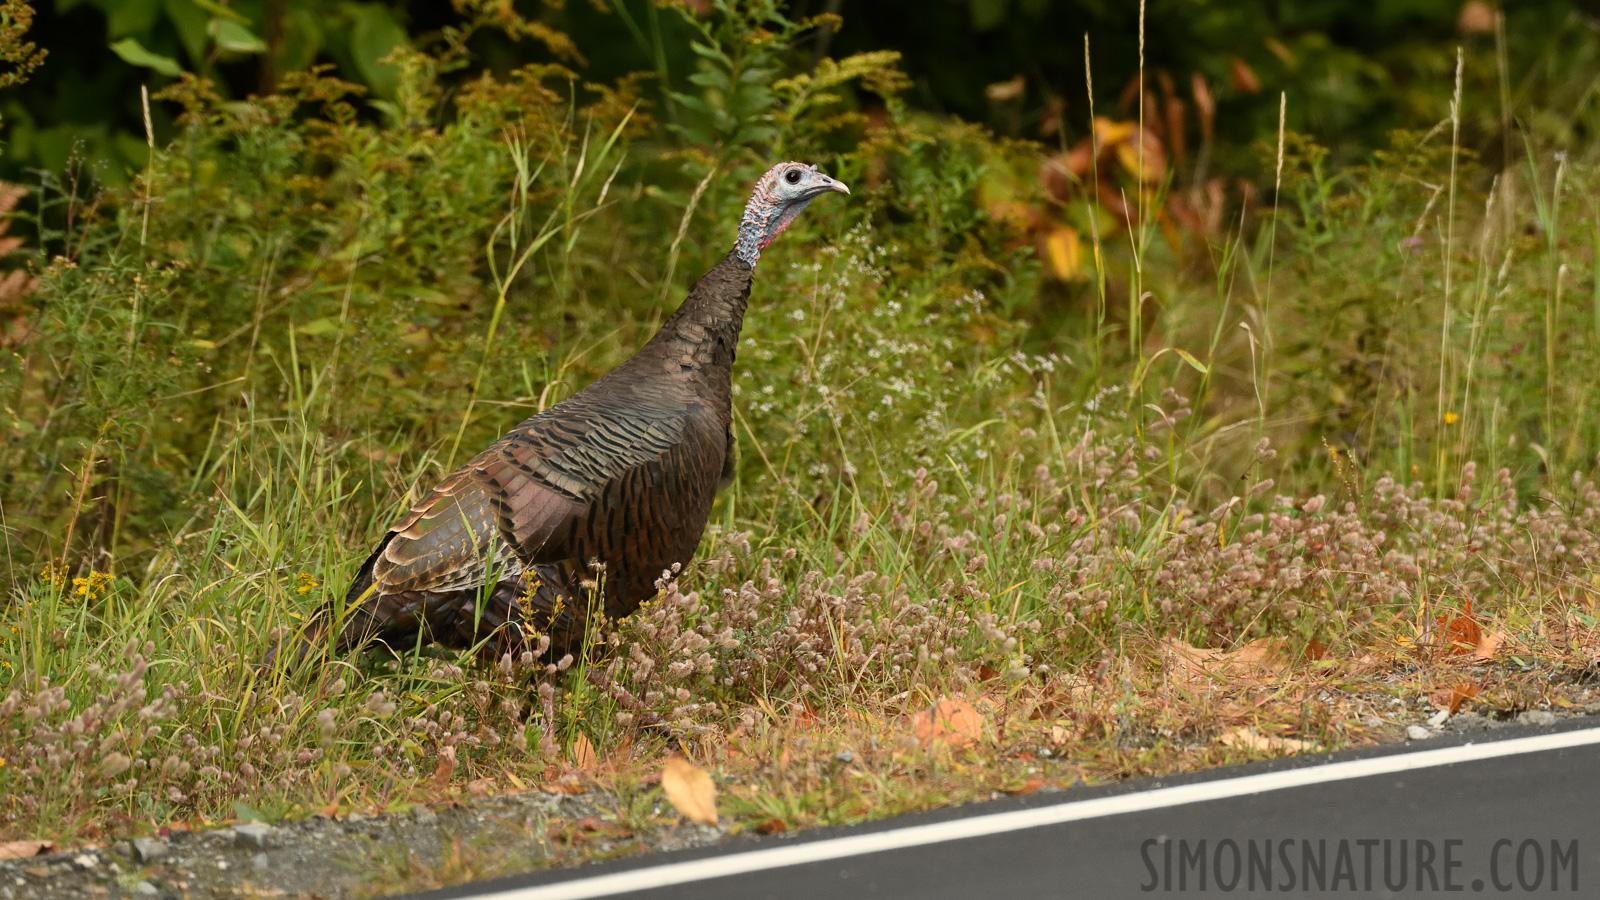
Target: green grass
[(955, 475)]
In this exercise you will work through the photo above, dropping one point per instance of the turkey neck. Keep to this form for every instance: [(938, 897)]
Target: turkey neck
[(699, 340)]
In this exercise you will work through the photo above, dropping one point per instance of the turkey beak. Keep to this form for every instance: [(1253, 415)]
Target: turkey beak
[(829, 184)]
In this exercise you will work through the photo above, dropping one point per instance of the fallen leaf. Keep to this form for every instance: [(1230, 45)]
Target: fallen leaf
[(1059, 735), (564, 785), (446, 768), (1462, 633), (1488, 645), (772, 826), (953, 721), (1460, 694), (690, 790), (24, 849), (1028, 788), (581, 752), (1250, 739), (1258, 659)]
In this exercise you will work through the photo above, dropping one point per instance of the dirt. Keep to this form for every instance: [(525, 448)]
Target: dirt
[(427, 847)]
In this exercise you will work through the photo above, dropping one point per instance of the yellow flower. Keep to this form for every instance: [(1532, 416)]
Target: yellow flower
[(304, 583), (53, 574), (94, 586), (1451, 418)]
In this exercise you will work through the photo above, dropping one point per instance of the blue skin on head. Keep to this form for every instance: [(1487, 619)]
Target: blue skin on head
[(778, 198)]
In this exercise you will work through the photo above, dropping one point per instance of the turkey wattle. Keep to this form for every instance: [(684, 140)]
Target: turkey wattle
[(622, 473)]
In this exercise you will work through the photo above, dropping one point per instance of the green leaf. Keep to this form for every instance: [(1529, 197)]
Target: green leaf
[(235, 38), (218, 10), (710, 53), (319, 327), (190, 23), (376, 34), (131, 17), (134, 54), (1195, 364), (710, 79)]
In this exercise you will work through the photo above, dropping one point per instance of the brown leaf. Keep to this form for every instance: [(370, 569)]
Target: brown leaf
[(25, 849), (1244, 78), (1003, 91), (1205, 104), (1477, 17), (581, 753), (1257, 660), (772, 826), (446, 768), (690, 790), (953, 721), (1250, 739)]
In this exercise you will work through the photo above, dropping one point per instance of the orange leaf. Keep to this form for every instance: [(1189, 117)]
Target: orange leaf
[(1462, 633), (24, 849), (1244, 78), (1460, 694), (1029, 788), (1488, 645), (953, 721), (690, 790)]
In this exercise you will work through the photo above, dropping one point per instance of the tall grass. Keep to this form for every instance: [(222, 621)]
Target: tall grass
[(233, 378)]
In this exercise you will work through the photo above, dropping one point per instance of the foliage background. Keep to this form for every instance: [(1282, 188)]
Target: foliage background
[(1358, 69)]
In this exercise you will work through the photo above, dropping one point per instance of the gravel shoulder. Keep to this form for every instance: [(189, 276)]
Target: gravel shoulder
[(354, 857), (429, 846)]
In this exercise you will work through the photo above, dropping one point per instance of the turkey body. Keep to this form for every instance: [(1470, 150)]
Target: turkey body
[(621, 474)]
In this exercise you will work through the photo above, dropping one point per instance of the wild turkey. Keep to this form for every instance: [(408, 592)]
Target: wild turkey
[(622, 473)]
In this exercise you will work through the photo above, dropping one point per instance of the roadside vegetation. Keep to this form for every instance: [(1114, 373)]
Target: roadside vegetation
[(1054, 464)]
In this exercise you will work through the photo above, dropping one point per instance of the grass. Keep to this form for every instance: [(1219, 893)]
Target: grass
[(958, 477)]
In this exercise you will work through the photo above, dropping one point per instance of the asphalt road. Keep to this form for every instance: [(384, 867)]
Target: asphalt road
[(1514, 813)]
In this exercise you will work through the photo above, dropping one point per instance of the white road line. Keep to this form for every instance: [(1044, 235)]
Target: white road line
[(999, 823)]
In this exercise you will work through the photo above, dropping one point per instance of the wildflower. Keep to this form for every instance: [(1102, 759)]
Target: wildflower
[(1451, 418), (304, 583), (93, 587), (53, 574)]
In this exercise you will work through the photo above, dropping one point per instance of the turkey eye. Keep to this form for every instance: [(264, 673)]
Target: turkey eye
[(793, 177)]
